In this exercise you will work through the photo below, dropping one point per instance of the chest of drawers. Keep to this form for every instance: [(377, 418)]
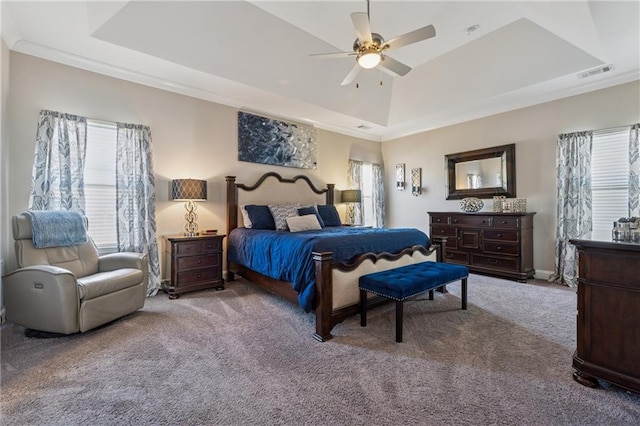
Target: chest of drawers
[(193, 263), (493, 243)]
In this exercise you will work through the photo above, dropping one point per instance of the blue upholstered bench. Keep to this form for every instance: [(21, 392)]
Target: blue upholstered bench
[(404, 282)]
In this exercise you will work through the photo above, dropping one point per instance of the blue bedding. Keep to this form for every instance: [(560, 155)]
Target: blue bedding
[(287, 256)]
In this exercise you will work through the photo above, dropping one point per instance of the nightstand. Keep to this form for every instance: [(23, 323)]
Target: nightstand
[(193, 263)]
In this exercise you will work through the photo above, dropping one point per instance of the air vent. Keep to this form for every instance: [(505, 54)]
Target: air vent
[(363, 127), (595, 71)]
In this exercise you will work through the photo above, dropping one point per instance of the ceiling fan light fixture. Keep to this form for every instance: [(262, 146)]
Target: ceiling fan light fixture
[(369, 58)]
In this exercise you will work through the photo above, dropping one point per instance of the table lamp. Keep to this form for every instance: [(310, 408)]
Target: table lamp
[(189, 190), (351, 196)]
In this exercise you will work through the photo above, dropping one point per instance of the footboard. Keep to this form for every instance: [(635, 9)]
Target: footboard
[(327, 315)]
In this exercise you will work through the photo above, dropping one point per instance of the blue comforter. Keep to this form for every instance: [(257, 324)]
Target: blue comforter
[(287, 256)]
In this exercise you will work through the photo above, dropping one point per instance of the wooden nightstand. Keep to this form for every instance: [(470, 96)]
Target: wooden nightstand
[(193, 263)]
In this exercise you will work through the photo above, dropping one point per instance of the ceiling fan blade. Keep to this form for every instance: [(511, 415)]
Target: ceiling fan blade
[(351, 76), (411, 37), (361, 24), (333, 55), (394, 66)]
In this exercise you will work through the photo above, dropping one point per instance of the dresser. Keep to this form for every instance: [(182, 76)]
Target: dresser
[(193, 263), (608, 327), (498, 244)]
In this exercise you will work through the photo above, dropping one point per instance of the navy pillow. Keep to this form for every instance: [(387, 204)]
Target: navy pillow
[(260, 217), (329, 215), (311, 210)]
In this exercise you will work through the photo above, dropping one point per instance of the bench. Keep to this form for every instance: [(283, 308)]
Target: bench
[(404, 282)]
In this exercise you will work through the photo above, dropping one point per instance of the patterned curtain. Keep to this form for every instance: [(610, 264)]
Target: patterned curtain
[(634, 172), (574, 201), (378, 196), (135, 197), (57, 181), (354, 181)]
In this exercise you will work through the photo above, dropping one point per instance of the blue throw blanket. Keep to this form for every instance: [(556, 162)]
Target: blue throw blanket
[(287, 256), (57, 228)]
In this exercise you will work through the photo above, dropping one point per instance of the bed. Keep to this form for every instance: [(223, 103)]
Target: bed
[(325, 279)]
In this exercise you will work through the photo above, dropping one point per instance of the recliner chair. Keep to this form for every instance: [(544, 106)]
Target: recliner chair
[(71, 289)]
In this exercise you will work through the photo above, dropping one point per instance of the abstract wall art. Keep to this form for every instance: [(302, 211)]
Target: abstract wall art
[(268, 141)]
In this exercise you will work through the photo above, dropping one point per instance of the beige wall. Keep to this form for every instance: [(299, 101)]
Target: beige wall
[(191, 138), (534, 131)]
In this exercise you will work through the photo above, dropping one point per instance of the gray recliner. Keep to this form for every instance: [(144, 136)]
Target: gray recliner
[(70, 289)]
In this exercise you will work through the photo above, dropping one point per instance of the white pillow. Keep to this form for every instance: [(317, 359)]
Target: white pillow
[(307, 222), (281, 212), (246, 221)]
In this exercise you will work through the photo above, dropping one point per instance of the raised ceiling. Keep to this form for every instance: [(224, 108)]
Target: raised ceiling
[(256, 54)]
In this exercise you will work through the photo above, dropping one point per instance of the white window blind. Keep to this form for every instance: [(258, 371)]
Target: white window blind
[(100, 184), (367, 194), (609, 177)]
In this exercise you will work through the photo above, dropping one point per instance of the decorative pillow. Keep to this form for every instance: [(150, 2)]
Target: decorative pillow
[(281, 212), (260, 217), (307, 222), (329, 215), (246, 220), (311, 210)]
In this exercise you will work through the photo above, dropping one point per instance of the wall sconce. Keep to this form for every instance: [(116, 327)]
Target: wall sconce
[(189, 190), (400, 177), (416, 181), (351, 196)]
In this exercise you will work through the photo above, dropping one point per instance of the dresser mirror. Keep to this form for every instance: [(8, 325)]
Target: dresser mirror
[(482, 173)]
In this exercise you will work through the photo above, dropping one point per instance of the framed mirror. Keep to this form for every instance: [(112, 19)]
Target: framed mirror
[(482, 173)]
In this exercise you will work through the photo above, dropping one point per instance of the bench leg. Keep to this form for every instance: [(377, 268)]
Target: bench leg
[(464, 293), (430, 294), (399, 315), (363, 308)]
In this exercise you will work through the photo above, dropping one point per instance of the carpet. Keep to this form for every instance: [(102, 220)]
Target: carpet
[(244, 357)]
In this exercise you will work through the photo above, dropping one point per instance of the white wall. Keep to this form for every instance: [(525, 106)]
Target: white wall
[(191, 138), (534, 131), (4, 158)]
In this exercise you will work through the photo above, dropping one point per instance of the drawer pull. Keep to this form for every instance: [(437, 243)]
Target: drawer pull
[(494, 261), (499, 248), (504, 222), (199, 276), (209, 246), (199, 262), (449, 255), (499, 235), (482, 221)]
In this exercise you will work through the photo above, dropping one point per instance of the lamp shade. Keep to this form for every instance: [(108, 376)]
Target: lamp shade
[(351, 196), (188, 189)]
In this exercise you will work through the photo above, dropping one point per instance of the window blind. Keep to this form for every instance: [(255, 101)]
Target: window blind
[(609, 177), (100, 184)]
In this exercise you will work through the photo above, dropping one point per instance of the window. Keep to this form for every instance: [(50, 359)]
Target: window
[(100, 184), (609, 177), (367, 194)]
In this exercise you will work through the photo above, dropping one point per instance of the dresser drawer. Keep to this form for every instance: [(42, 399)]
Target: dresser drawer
[(501, 248), (471, 221), (511, 236), (456, 257), (440, 231), (197, 275), (192, 262), (506, 222), (494, 262), (439, 219)]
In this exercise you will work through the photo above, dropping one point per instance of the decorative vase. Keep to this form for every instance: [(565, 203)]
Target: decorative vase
[(471, 204)]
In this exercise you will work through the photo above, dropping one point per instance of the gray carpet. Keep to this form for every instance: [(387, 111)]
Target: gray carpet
[(242, 356)]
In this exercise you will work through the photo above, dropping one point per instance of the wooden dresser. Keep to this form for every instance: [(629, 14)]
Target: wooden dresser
[(608, 340), (491, 243), (193, 263)]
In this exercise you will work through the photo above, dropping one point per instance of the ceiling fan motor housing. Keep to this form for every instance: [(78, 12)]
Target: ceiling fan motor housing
[(377, 43)]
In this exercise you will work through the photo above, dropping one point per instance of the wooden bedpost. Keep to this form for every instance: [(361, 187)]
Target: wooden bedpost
[(324, 296), (329, 195), (232, 215)]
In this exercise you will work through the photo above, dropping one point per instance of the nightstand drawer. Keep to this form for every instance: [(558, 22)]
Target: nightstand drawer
[(193, 262), (198, 275), (197, 247)]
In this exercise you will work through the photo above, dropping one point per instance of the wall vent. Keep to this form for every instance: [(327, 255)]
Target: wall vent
[(363, 127), (595, 71)]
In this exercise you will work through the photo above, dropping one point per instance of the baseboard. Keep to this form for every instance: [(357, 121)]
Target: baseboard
[(542, 275), (2, 317)]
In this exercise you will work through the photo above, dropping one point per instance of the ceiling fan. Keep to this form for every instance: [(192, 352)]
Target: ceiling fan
[(370, 48)]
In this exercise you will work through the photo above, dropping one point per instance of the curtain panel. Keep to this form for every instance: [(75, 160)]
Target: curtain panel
[(634, 172), (354, 181), (378, 196), (135, 197), (574, 216), (57, 181)]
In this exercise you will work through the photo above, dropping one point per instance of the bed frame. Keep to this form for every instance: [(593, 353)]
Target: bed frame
[(326, 316)]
